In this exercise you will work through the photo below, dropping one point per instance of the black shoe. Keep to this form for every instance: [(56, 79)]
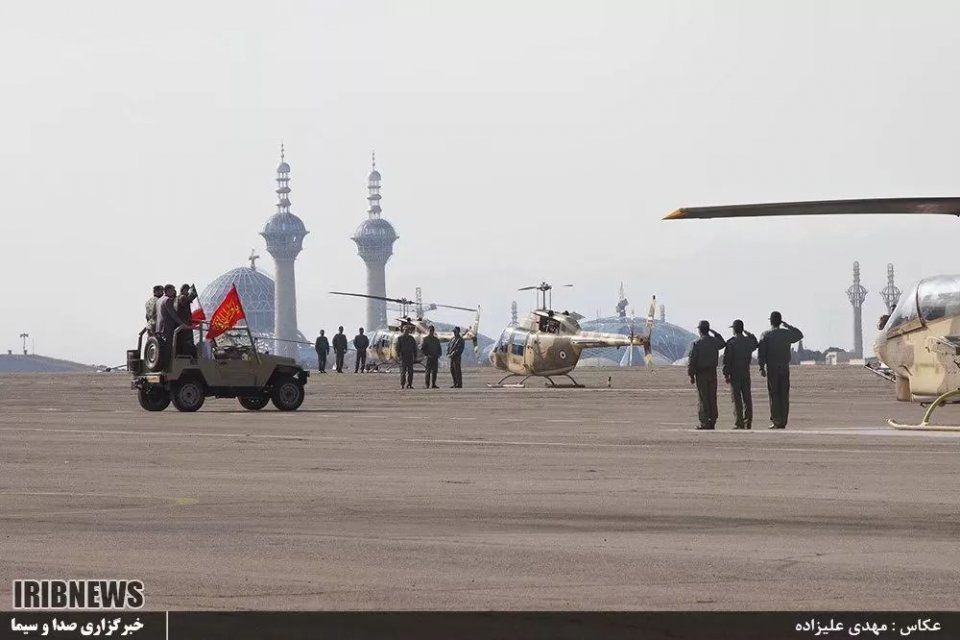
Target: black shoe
[(704, 428), (737, 428), (434, 387), (773, 426)]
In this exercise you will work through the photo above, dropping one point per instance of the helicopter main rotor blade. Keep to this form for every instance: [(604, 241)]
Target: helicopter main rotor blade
[(528, 288), (942, 206), (364, 295), (450, 306)]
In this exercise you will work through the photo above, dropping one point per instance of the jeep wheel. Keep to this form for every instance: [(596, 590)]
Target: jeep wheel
[(287, 394), (153, 354), (153, 398), (188, 396), (253, 403)]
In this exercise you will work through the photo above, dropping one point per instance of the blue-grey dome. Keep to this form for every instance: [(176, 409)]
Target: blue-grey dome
[(286, 224), (283, 167), (375, 229), (374, 175), (256, 290)]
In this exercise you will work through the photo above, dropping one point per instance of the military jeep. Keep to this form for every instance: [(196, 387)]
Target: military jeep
[(230, 368)]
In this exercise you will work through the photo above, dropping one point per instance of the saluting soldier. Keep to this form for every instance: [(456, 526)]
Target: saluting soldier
[(702, 361), (736, 372), (773, 355)]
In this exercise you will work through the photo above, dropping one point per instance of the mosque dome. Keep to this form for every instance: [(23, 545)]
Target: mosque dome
[(670, 342), (374, 175), (283, 167), (256, 290)]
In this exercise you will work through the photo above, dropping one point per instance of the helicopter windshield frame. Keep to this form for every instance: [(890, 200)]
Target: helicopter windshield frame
[(929, 300)]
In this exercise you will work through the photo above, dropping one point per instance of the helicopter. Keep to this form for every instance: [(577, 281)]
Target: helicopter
[(919, 341), (548, 343), (383, 342)]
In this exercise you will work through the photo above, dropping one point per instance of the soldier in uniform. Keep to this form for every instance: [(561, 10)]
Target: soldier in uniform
[(151, 308), (407, 348), (360, 343), (339, 348), (185, 345), (168, 320), (773, 355), (736, 372), (323, 348), (454, 353), (702, 361), (432, 349)]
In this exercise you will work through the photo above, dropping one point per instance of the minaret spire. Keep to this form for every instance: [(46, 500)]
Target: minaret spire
[(373, 188), (857, 293), (283, 184)]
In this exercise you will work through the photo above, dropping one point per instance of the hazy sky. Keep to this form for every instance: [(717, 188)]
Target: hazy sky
[(518, 141)]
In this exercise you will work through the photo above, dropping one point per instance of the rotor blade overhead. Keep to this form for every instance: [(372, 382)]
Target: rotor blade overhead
[(364, 295), (450, 306), (942, 206)]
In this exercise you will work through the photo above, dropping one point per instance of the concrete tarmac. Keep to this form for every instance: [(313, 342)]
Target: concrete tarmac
[(370, 497)]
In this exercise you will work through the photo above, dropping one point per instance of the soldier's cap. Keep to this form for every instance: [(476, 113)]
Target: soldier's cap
[(737, 325), (703, 326)]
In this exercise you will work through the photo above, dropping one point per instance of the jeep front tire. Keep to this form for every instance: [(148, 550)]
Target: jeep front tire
[(287, 394)]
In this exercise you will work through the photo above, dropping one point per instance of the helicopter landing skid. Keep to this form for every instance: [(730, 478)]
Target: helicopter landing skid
[(573, 384), (925, 423)]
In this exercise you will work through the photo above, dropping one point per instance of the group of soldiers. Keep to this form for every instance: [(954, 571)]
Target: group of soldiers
[(773, 356), (407, 349), (165, 312)]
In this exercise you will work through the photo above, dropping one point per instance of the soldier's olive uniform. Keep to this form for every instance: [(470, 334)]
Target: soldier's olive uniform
[(774, 354), (339, 350), (323, 348), (432, 349), (407, 348), (703, 358), (736, 366)]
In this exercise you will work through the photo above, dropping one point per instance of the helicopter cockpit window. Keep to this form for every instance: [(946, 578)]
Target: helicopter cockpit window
[(519, 340), (549, 325), (939, 297), (504, 341), (905, 312)]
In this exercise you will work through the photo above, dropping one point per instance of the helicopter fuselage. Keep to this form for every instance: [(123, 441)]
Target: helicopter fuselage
[(549, 343), (920, 341)]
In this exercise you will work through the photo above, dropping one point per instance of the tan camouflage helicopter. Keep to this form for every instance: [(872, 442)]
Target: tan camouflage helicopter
[(383, 342), (919, 341), (548, 343)]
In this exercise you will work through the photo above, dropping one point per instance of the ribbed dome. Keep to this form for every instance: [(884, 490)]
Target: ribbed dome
[(374, 175), (375, 229), (283, 167), (256, 290), (670, 342)]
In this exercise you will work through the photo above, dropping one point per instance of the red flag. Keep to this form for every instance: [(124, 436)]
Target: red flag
[(227, 314), (198, 315)]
